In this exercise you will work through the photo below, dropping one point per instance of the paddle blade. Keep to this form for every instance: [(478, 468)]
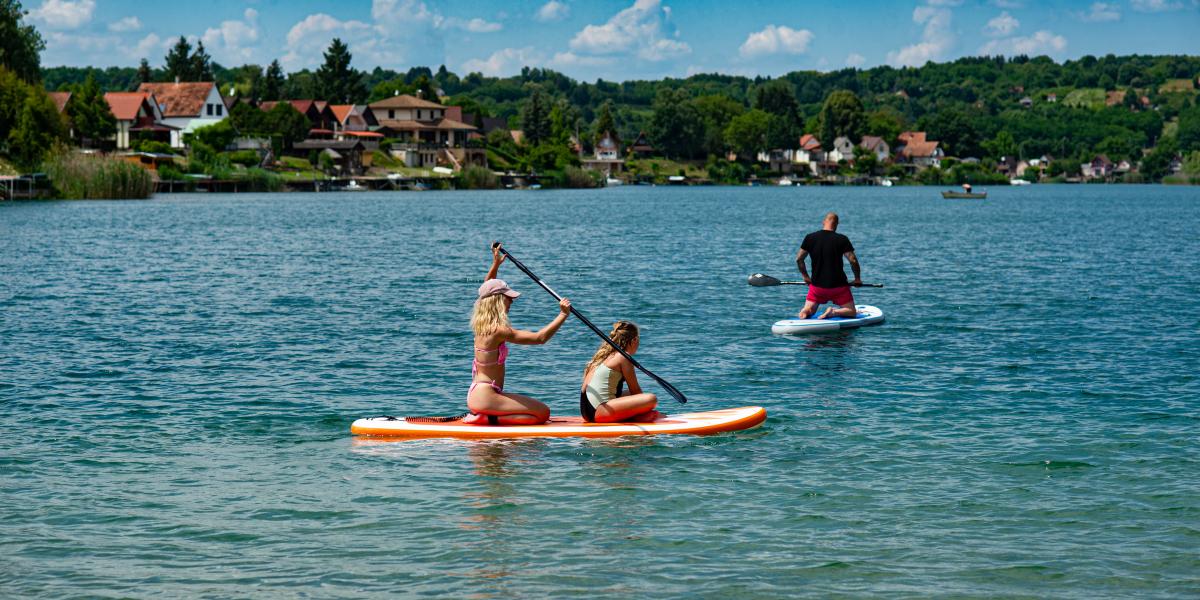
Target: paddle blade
[(760, 280)]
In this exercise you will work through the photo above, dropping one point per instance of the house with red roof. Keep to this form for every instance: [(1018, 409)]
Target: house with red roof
[(137, 115), (353, 120), (186, 106), (918, 152)]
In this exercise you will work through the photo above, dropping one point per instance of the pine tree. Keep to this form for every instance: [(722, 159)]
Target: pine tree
[(179, 61), (20, 44), (604, 122), (535, 117), (273, 82), (144, 74), (201, 64), (91, 117), (337, 82)]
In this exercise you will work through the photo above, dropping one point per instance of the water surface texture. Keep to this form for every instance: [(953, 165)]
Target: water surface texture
[(178, 377)]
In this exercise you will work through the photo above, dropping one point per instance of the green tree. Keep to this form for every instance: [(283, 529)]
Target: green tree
[(716, 111), (38, 128), (337, 81), (535, 117), (604, 123), (273, 82), (779, 98), (886, 123), (144, 73), (218, 136), (866, 162), (178, 62), (841, 114), (248, 120), (425, 88), (1156, 164), (1188, 134), (675, 129), (285, 121), (20, 44), (201, 64), (90, 115), (1003, 145), (746, 133)]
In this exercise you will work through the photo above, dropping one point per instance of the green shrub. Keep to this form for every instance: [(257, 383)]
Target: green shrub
[(478, 178), (576, 178), (261, 180), (170, 173), (246, 158), (152, 146), (92, 176)]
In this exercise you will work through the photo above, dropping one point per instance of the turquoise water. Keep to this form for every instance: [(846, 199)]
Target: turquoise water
[(178, 378)]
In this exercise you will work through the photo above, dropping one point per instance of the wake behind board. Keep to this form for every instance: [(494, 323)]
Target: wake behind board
[(867, 315), (700, 423)]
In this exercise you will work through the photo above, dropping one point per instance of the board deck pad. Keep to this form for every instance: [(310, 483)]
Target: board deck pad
[(867, 315), (698, 423)]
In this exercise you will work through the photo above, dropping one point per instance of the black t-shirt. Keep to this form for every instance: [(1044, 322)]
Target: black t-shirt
[(826, 249)]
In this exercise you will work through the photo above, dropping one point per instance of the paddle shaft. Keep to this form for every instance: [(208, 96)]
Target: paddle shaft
[(666, 386), (871, 285)]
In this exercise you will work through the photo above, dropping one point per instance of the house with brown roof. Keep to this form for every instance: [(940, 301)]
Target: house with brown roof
[(918, 152), (322, 120), (843, 149), (641, 146), (60, 100), (137, 115), (187, 106), (427, 135), (878, 146)]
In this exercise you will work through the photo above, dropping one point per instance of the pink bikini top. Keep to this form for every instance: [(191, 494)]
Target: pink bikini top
[(501, 352)]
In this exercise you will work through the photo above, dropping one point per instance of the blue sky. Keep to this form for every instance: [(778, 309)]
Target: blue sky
[(613, 40)]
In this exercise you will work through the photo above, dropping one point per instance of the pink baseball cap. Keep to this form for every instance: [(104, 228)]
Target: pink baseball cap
[(492, 287)]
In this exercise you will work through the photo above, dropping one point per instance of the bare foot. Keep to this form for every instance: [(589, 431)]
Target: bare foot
[(474, 419), (647, 417), (828, 312)]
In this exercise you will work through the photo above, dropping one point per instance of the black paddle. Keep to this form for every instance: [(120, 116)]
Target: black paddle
[(678, 395), (760, 280)]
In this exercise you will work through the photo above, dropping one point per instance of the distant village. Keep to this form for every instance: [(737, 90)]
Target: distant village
[(439, 141)]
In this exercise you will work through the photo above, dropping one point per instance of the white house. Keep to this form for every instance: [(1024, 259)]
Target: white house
[(843, 149), (878, 146), (187, 106), (136, 113)]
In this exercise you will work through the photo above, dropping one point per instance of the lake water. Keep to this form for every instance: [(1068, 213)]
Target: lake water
[(178, 377)]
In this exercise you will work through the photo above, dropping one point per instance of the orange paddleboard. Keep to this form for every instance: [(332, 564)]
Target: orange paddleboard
[(700, 423)]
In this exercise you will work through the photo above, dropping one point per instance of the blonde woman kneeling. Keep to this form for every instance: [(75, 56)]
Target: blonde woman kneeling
[(486, 399), (601, 400)]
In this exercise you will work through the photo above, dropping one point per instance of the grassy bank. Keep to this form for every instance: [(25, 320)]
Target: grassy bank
[(96, 177)]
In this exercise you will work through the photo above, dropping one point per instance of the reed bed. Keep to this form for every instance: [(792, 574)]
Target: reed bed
[(97, 177)]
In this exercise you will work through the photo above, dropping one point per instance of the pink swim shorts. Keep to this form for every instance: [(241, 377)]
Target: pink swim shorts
[(838, 295)]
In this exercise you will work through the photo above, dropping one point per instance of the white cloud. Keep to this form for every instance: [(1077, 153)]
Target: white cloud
[(1008, 4), (552, 11), (148, 47), (1042, 42), (776, 40), (1100, 12), (565, 60), (504, 62), (308, 39), (1002, 25), (936, 38), (855, 60), (125, 24), (64, 14), (233, 41), (475, 25), (1155, 5), (638, 30)]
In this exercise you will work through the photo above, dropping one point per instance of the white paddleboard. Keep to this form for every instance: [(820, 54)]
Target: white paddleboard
[(867, 315)]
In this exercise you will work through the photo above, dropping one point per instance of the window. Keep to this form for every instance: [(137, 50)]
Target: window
[(219, 107), (210, 109), (418, 114), (391, 114)]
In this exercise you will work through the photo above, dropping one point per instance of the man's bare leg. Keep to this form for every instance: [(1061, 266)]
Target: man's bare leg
[(810, 307), (845, 311)]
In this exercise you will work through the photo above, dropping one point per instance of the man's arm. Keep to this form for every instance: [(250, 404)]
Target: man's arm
[(800, 265), (854, 267)]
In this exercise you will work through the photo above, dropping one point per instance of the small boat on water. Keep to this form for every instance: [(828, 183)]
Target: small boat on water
[(950, 194), (355, 186), (965, 194), (1018, 182), (612, 182), (785, 182), (886, 182)]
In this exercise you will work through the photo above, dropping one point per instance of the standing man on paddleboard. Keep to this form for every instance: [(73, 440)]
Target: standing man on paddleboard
[(828, 281)]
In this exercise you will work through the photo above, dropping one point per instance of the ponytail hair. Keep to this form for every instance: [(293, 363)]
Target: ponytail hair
[(623, 334)]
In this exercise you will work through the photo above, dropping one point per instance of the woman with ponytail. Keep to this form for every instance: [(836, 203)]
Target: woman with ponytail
[(486, 399), (602, 399)]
